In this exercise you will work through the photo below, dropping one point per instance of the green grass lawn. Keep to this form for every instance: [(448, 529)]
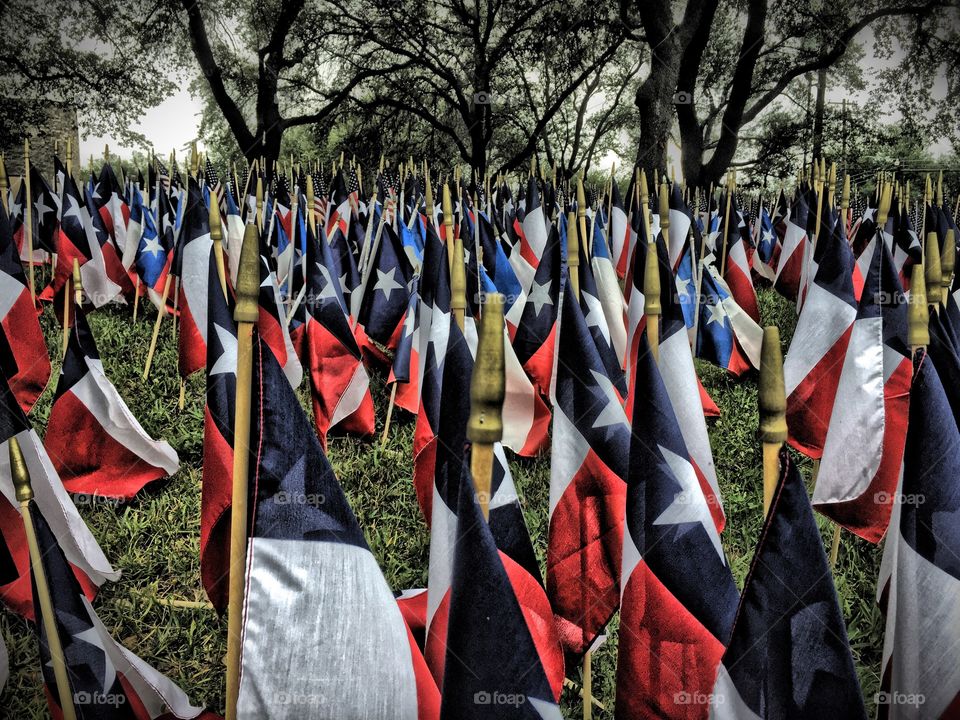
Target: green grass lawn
[(155, 539)]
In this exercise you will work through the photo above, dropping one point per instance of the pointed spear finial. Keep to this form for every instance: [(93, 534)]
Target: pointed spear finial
[(883, 211), (19, 472), (77, 283), (918, 314), (428, 191), (845, 198), (664, 207), (573, 253)]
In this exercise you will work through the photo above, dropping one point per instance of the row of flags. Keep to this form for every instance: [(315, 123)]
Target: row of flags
[(393, 283)]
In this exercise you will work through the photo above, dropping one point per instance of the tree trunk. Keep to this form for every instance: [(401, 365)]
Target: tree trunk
[(655, 101), (818, 113)]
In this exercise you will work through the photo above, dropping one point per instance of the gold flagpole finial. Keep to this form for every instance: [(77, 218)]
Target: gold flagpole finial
[(772, 401), (933, 278), (487, 392), (428, 191), (248, 277), (845, 197), (19, 472), (573, 253), (918, 314), (664, 207), (948, 262), (77, 283)]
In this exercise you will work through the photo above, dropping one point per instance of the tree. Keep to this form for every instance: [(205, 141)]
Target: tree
[(775, 45)]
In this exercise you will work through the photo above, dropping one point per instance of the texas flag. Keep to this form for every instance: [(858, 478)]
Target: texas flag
[(863, 449), (736, 272), (618, 231), (588, 471), (678, 597), (788, 655), (919, 586), (793, 249), (79, 545), (494, 666), (191, 266), (118, 457), (307, 559), (23, 351), (107, 681), (815, 359)]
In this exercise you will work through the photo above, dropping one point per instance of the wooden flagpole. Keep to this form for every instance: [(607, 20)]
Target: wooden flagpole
[(161, 311), (245, 314), (731, 184), (216, 234), (948, 260), (28, 220), (4, 184), (24, 493), (933, 275), (573, 253), (772, 399), (918, 313)]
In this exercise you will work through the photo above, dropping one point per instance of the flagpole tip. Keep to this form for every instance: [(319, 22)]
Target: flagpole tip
[(248, 277), (933, 278), (771, 395), (918, 314), (19, 472), (488, 384)]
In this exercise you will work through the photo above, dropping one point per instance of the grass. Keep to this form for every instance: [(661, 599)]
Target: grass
[(155, 539)]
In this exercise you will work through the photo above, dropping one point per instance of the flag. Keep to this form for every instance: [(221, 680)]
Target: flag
[(816, 356), (321, 627), (588, 471), (788, 655), (493, 668), (118, 458), (737, 273), (506, 522), (384, 291), (51, 498), (45, 213), (326, 344), (78, 241), (609, 293), (155, 250), (190, 264), (106, 680), (534, 238), (406, 359), (768, 246), (919, 585), (678, 597), (218, 419), (726, 335), (863, 448), (793, 248), (108, 197), (23, 351), (272, 319), (618, 230), (134, 227)]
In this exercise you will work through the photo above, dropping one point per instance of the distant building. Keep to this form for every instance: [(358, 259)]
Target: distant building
[(60, 124)]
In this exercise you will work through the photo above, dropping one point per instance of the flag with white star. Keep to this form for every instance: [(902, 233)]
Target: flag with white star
[(588, 471), (155, 250), (385, 288), (321, 627), (23, 351), (793, 249), (107, 681), (788, 654), (324, 340), (678, 596)]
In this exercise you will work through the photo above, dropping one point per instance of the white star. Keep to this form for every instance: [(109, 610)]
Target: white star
[(689, 505), (717, 314), (72, 209), (612, 413), (15, 208), (409, 322), (96, 192), (226, 364), (682, 284), (41, 209), (539, 296), (594, 316), (387, 283), (439, 334), (92, 637), (152, 246), (329, 290)]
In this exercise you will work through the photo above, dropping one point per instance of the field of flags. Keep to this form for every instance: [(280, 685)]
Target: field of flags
[(518, 320)]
